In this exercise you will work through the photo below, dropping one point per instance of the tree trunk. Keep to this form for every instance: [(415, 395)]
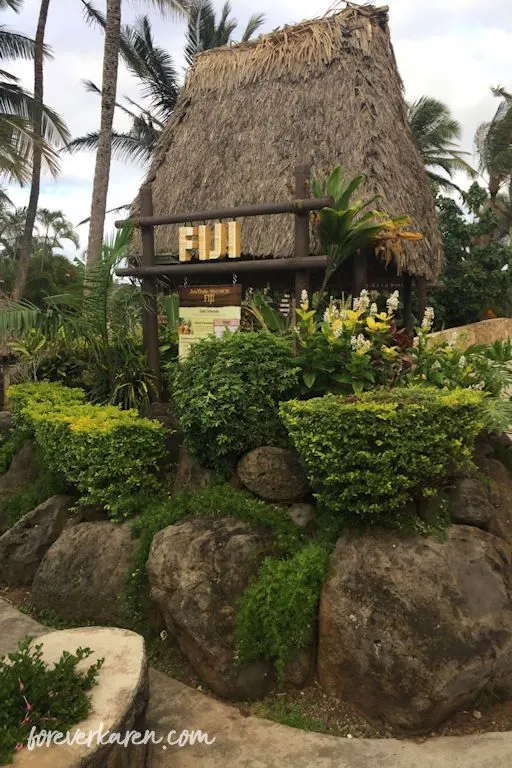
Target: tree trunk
[(37, 156), (104, 152)]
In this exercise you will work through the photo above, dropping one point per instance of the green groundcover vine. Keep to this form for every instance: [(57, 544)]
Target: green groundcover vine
[(36, 695), (277, 613)]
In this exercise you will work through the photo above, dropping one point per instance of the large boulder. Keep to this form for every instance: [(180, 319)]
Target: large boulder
[(500, 494), (412, 629), (82, 575), (198, 570), (486, 503), (190, 474), (24, 545), (273, 474), (23, 471)]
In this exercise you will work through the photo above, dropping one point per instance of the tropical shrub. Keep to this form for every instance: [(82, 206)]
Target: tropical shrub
[(368, 456), (486, 368), (22, 397), (226, 394), (34, 694), (351, 347), (349, 226), (108, 454)]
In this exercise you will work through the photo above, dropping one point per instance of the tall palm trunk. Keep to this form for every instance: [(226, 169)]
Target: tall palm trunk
[(37, 153), (104, 153)]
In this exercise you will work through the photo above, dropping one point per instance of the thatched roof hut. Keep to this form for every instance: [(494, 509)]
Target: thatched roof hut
[(325, 92)]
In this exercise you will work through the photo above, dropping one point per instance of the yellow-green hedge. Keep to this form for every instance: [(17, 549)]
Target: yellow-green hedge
[(367, 456), (108, 454)]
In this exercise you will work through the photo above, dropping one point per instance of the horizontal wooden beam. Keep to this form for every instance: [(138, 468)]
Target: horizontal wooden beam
[(191, 268), (268, 209)]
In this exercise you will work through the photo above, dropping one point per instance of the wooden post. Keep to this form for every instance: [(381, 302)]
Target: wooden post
[(149, 295), (359, 272), (302, 179), (421, 284), (407, 296)]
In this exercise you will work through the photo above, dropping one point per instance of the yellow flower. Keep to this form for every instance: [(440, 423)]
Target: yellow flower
[(375, 326), (389, 351), (354, 316)]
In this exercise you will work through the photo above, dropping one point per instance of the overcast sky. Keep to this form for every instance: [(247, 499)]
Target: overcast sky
[(451, 49)]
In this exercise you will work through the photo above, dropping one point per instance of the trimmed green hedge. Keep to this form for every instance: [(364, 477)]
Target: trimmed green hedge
[(227, 392), (368, 456), (49, 395), (108, 454)]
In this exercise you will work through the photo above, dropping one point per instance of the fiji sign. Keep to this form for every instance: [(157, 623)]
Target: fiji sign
[(225, 241)]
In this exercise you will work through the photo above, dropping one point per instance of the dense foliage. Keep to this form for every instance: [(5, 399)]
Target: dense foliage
[(226, 394), (108, 454), (23, 397), (278, 610), (476, 282), (34, 694), (368, 456)]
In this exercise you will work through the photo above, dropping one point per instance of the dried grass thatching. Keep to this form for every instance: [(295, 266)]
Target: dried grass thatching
[(325, 92)]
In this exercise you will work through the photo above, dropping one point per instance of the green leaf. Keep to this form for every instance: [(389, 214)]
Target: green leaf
[(335, 184), (309, 379)]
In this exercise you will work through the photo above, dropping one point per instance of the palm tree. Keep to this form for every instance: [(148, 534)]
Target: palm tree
[(154, 67), (493, 143), (17, 112), (108, 103), (52, 229), (436, 133), (205, 33), (55, 228), (37, 153)]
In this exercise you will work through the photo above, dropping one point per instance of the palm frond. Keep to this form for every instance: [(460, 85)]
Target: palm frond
[(14, 5), (118, 209), (255, 22), (14, 45)]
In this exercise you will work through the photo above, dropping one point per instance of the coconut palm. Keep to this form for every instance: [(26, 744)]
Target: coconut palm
[(206, 32), (154, 68), (437, 134), (17, 111), (493, 143), (37, 153), (108, 102), (52, 230)]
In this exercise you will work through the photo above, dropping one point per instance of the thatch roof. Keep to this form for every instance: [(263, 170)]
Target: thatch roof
[(325, 92)]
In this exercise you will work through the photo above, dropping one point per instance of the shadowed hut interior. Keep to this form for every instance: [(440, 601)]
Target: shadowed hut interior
[(325, 92)]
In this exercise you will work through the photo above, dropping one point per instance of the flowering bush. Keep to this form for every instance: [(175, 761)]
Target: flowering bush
[(444, 365), (349, 348)]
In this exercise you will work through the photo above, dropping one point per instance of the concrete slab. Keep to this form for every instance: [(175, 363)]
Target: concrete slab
[(250, 742)]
